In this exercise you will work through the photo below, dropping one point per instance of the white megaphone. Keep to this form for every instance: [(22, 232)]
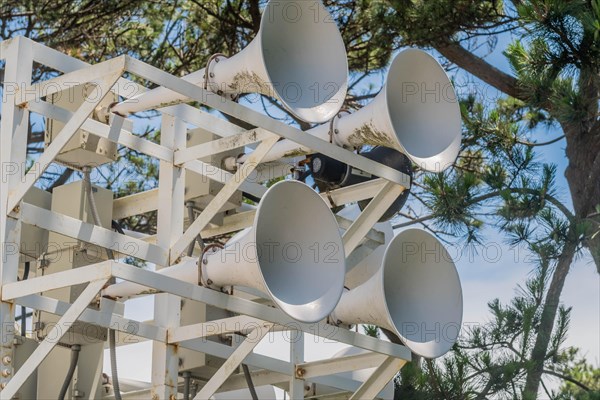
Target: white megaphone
[(298, 57), (293, 252), (416, 294), (416, 113)]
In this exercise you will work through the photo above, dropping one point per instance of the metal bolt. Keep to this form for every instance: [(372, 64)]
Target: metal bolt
[(6, 360), (212, 75), (300, 372), (209, 282), (6, 372), (2, 385), (204, 261), (336, 131)]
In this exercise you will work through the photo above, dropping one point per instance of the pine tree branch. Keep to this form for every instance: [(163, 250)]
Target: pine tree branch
[(553, 200), (568, 379), (477, 66), (531, 144)]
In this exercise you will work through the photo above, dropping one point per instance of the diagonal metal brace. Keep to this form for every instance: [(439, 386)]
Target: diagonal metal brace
[(224, 194), (51, 340), (378, 379), (236, 358)]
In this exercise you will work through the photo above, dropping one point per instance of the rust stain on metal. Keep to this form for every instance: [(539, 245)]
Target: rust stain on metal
[(246, 82), (368, 134), (295, 153)]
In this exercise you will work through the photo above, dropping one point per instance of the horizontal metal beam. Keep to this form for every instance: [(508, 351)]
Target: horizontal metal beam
[(220, 145), (241, 306), (61, 62), (258, 119), (103, 318), (220, 175), (67, 81), (241, 323), (203, 119), (260, 377), (332, 366), (135, 204), (91, 233), (39, 284), (121, 136)]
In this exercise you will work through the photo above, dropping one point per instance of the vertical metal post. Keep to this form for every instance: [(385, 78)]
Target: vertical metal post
[(167, 307), (13, 151), (296, 358)]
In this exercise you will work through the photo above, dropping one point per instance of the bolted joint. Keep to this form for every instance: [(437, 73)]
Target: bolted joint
[(6, 373), (300, 372), (6, 360)]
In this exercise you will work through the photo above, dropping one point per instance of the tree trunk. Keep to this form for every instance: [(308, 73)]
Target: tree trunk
[(538, 354), (583, 176)]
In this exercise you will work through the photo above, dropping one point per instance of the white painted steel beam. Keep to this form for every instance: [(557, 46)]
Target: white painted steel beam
[(64, 63), (120, 136), (260, 311), (220, 175), (167, 307), (296, 388), (242, 323), (57, 280), (104, 318), (135, 204), (91, 233), (224, 194), (51, 340), (14, 127), (67, 132), (67, 81), (370, 215), (332, 366), (378, 379), (263, 121), (204, 119), (220, 145), (236, 358)]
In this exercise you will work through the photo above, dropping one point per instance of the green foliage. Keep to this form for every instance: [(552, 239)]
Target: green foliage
[(491, 360), (583, 380)]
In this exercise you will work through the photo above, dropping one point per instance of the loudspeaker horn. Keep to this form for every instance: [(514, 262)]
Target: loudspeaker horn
[(296, 257), (416, 113), (297, 57), (416, 294)]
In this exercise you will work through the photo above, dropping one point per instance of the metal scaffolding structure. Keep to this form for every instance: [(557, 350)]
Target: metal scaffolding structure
[(21, 98)]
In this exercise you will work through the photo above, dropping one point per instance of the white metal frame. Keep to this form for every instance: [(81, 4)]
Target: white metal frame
[(21, 97)]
